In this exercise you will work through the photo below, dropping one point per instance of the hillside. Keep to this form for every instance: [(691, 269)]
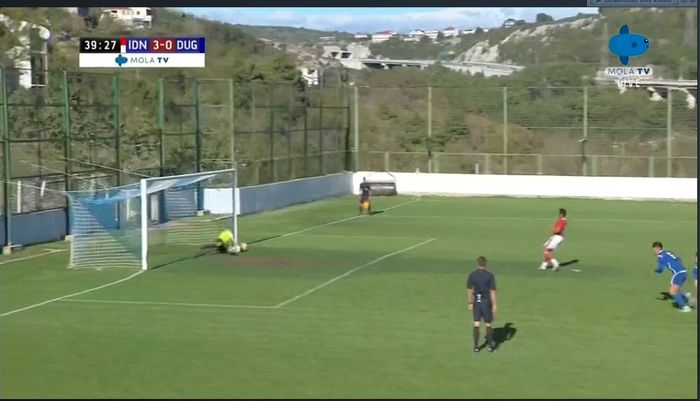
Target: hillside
[(580, 40), (291, 35)]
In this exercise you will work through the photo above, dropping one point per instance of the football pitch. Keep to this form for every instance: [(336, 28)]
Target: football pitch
[(328, 304)]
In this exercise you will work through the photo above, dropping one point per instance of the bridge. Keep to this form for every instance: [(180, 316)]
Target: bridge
[(487, 69), (658, 88)]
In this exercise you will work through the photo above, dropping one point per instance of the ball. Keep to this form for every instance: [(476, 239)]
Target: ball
[(244, 247), (365, 205), (234, 249)]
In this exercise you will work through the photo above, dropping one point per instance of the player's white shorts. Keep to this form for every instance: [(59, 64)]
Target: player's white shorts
[(553, 242)]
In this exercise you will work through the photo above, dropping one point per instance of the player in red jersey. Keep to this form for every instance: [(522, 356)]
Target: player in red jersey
[(554, 241)]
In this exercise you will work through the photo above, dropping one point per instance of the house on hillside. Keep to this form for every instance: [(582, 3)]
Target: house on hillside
[(131, 16), (327, 38), (468, 31), (361, 36), (509, 23), (379, 37), (416, 33), (450, 32), (309, 75), (432, 34)]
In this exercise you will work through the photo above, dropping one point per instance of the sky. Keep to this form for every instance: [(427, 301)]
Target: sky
[(373, 19)]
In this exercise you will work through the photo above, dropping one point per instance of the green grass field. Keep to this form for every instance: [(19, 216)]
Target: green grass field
[(366, 307)]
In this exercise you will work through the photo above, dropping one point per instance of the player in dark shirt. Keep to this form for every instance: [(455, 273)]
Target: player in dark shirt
[(365, 203), (481, 295)]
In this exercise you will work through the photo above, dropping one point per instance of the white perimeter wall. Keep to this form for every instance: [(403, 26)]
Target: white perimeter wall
[(636, 188), (287, 193)]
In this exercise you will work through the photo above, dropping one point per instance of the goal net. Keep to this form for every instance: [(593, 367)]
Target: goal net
[(151, 222)]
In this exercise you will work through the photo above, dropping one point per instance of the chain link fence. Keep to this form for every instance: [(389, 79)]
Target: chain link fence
[(593, 131)]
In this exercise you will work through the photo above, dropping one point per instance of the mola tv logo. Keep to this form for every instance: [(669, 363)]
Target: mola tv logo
[(625, 45)]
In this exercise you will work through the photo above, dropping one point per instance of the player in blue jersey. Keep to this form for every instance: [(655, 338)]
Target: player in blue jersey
[(695, 276), (667, 260)]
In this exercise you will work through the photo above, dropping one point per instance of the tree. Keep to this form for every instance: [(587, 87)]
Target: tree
[(542, 17)]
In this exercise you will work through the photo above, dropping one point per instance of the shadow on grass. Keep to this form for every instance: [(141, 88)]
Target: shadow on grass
[(568, 263), (172, 262), (503, 334), (665, 296)]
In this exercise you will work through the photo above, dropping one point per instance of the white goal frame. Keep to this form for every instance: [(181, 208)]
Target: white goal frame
[(144, 205)]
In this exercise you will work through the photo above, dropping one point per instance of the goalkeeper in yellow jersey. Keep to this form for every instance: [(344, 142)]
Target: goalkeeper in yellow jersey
[(225, 241)]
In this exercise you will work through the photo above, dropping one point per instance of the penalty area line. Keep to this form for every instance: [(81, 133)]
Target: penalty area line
[(349, 272), (158, 303)]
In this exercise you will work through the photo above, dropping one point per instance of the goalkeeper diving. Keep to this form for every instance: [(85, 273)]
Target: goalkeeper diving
[(226, 243)]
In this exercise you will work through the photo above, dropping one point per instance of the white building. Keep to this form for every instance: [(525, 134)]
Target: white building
[(361, 36), (309, 75), (432, 34), (131, 16), (450, 32), (416, 33), (379, 37), (468, 31)]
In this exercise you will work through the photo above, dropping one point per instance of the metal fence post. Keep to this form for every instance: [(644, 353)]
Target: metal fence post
[(6, 156), (584, 140), (356, 113), (289, 136), (306, 133), (197, 143), (669, 133), (117, 127), (505, 130), (232, 116), (430, 130), (386, 161), (273, 168), (67, 154), (320, 133), (348, 119), (652, 173), (539, 164), (67, 151), (197, 123), (161, 128)]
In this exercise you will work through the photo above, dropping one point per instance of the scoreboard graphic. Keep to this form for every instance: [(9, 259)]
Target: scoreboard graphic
[(142, 52)]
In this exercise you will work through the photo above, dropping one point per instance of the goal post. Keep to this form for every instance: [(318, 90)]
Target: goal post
[(185, 212), (151, 219)]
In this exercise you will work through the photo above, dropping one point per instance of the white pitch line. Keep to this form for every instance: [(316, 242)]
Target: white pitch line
[(338, 221), (349, 272), (360, 236), (111, 301), (72, 295), (400, 216), (50, 251)]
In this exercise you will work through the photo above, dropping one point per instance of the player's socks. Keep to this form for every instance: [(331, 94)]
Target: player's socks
[(489, 338), (476, 339), (680, 301), (555, 264), (543, 266)]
